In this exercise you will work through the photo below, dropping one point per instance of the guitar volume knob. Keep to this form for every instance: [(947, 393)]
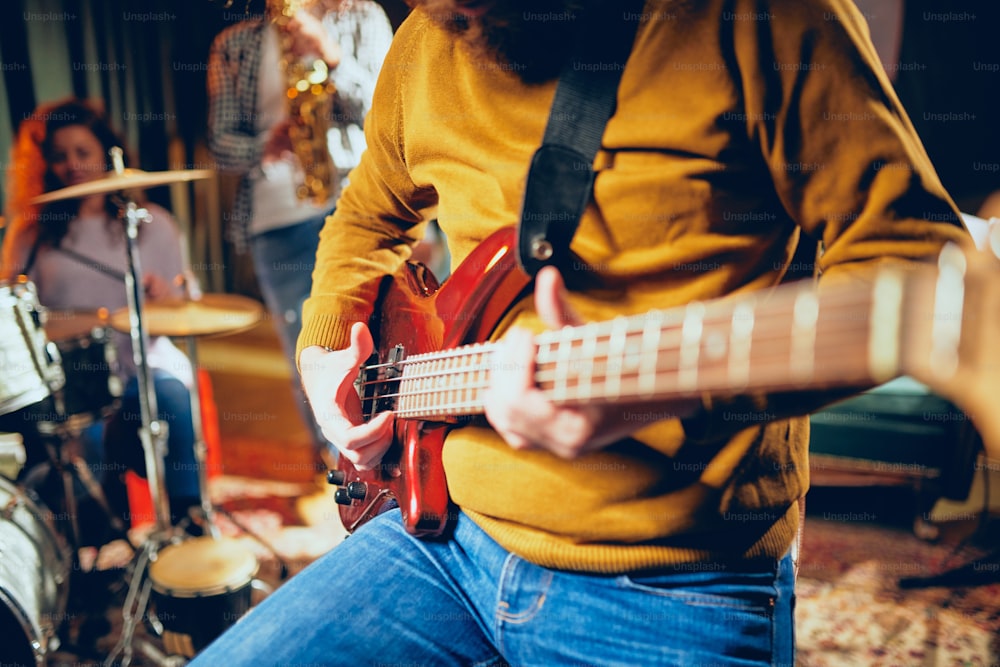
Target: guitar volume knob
[(335, 477), (357, 490), (341, 498)]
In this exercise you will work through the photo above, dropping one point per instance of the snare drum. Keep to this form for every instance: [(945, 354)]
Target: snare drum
[(89, 362), (30, 371), (201, 587), (34, 579)]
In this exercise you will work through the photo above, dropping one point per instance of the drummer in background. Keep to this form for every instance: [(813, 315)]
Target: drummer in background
[(74, 251)]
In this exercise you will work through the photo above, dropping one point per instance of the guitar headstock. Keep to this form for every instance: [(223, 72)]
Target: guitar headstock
[(958, 355)]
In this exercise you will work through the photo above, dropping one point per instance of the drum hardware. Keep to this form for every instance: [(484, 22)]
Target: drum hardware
[(152, 431), (88, 393), (197, 315), (191, 610), (194, 316), (66, 466), (92, 388)]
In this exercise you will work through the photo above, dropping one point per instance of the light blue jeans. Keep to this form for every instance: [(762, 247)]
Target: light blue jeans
[(284, 260), (386, 598)]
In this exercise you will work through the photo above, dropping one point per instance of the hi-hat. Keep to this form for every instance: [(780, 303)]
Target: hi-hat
[(127, 179), (211, 314), (63, 325)]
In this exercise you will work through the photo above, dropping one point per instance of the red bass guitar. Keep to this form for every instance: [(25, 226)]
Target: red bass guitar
[(432, 365)]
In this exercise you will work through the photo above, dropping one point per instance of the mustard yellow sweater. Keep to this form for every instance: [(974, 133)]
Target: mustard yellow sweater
[(737, 121)]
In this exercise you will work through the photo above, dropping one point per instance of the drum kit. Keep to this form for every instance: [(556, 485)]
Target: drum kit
[(58, 379)]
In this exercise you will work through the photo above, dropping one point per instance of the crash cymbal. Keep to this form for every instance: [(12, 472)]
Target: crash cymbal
[(128, 179), (211, 314)]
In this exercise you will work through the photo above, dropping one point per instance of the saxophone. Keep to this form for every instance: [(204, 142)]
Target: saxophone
[(310, 104)]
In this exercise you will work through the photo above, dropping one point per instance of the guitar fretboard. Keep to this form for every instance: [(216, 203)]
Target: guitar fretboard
[(793, 338)]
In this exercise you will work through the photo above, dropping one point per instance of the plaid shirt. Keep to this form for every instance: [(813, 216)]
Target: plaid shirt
[(363, 32)]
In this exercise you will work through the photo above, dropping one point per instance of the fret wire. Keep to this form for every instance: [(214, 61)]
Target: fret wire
[(588, 351), (717, 376), (691, 340), (779, 355), (564, 351), (420, 384), (424, 384), (437, 382), (451, 368), (616, 344), (407, 387), (760, 337), (741, 342), (802, 351), (651, 336)]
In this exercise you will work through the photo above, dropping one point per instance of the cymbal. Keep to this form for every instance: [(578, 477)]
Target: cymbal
[(128, 179), (211, 314), (65, 325)]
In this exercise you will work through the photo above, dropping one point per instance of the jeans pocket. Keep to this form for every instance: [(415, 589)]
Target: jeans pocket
[(751, 593)]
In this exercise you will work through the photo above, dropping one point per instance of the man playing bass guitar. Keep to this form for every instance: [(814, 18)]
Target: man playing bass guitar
[(623, 491)]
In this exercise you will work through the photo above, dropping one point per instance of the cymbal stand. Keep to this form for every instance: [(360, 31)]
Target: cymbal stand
[(152, 432), (207, 509), (200, 448), (57, 437)]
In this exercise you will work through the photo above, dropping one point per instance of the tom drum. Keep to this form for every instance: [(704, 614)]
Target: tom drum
[(201, 587)]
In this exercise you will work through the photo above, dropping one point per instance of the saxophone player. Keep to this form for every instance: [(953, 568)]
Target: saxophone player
[(288, 93)]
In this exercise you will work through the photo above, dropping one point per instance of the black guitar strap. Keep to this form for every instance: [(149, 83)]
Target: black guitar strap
[(561, 175)]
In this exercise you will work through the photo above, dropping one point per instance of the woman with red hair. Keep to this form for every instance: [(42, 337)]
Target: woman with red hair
[(74, 252)]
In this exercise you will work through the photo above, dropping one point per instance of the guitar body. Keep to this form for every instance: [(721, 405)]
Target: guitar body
[(414, 316)]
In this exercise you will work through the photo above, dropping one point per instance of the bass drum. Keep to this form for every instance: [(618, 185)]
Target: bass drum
[(34, 579)]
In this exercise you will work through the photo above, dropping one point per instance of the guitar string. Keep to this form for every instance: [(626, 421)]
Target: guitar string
[(666, 351), (583, 332), (760, 321), (710, 375), (665, 382)]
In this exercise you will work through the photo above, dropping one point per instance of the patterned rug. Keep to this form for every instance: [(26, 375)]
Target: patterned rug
[(851, 610)]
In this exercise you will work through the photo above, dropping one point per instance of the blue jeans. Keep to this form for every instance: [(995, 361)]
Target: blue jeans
[(386, 598), (284, 260)]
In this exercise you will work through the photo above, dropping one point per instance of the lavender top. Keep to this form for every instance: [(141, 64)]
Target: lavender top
[(65, 282)]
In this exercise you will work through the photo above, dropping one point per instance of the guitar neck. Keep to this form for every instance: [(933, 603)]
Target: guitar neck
[(792, 338)]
